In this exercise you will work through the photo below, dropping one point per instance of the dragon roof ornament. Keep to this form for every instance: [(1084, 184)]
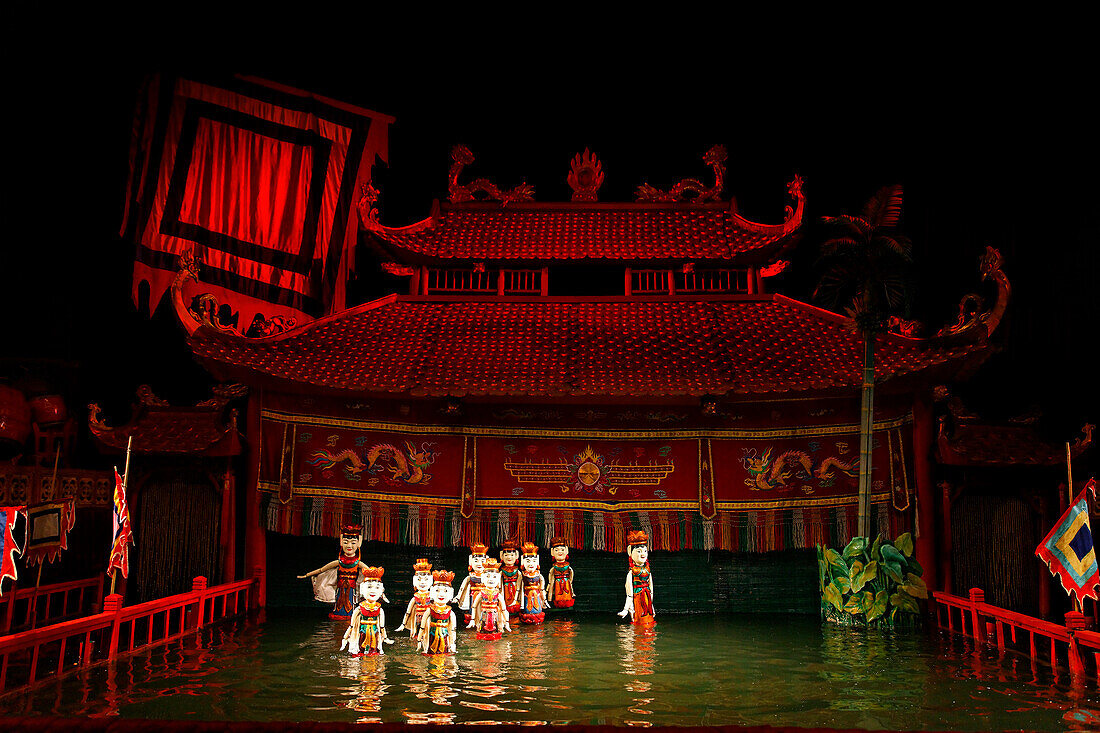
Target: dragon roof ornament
[(691, 189), (204, 310), (972, 319), (462, 157)]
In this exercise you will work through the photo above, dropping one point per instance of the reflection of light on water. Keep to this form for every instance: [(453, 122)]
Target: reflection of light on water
[(433, 717), (637, 660), (787, 672), (372, 684)]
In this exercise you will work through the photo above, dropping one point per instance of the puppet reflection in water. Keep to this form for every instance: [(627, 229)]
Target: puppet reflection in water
[(639, 582), (372, 687)]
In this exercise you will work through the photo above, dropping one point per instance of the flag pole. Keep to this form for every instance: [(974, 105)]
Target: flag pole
[(113, 571), (1077, 604), (125, 477)]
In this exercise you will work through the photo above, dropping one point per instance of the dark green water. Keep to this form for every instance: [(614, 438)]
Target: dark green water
[(691, 670)]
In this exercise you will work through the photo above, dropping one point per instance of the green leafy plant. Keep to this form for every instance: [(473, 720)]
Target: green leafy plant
[(871, 583)]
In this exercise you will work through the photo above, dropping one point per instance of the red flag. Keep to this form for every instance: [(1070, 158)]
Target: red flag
[(48, 527), (122, 536), (8, 546), (259, 182)]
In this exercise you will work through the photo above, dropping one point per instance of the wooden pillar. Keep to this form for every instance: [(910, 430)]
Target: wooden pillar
[(923, 435), (228, 538), (1044, 576), (255, 541), (946, 539)]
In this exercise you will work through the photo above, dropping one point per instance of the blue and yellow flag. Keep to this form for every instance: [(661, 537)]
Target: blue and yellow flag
[(1069, 552)]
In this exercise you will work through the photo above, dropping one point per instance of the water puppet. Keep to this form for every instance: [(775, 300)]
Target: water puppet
[(559, 581), (533, 605), (471, 584), (437, 626), (510, 581), (639, 581), (366, 632), (337, 582), (418, 604), (490, 615)]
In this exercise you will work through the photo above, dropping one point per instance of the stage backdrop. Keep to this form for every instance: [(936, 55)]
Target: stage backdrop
[(753, 489)]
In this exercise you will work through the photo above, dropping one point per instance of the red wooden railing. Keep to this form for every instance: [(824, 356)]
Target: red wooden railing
[(995, 625), (56, 601), (69, 645)]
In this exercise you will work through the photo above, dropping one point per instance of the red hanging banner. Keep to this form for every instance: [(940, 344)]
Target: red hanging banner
[(258, 181)]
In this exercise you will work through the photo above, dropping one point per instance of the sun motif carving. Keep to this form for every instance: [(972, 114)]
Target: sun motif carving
[(585, 176)]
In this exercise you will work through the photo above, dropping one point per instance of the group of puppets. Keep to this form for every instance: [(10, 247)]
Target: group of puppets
[(493, 593)]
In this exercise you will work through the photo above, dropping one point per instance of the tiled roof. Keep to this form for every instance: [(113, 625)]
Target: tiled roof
[(547, 347), (157, 427), (983, 444), (482, 231)]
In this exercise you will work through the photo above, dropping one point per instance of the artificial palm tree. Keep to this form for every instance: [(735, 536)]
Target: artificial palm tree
[(866, 271)]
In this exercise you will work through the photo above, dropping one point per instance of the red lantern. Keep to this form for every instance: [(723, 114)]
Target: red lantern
[(48, 409), (15, 416)]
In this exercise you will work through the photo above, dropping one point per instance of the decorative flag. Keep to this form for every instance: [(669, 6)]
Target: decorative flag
[(1069, 552), (48, 527), (259, 182), (8, 547), (122, 537)]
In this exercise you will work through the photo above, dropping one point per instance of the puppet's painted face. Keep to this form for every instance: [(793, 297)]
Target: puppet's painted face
[(560, 553), (349, 545), (530, 563), (639, 554), (371, 589), (509, 557), (490, 579), (477, 563), (441, 594), (422, 581)]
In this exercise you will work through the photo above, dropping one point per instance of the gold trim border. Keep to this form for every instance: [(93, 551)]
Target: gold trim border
[(724, 506), (497, 432), (325, 492)]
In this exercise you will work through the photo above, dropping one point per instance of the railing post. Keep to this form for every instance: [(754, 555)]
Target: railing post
[(113, 604), (198, 587), (9, 610), (1075, 621), (254, 593), (977, 595)]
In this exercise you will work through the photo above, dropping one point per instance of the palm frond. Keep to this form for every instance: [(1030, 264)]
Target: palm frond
[(897, 245), (855, 226), (883, 210)]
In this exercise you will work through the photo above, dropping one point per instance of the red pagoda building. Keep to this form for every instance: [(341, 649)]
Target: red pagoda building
[(478, 405)]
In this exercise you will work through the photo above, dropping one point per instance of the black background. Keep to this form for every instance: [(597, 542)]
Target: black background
[(992, 140)]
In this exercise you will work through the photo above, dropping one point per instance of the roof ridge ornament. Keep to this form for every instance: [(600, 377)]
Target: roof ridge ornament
[(462, 157), (700, 192), (971, 316), (585, 176), (205, 310), (368, 211)]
